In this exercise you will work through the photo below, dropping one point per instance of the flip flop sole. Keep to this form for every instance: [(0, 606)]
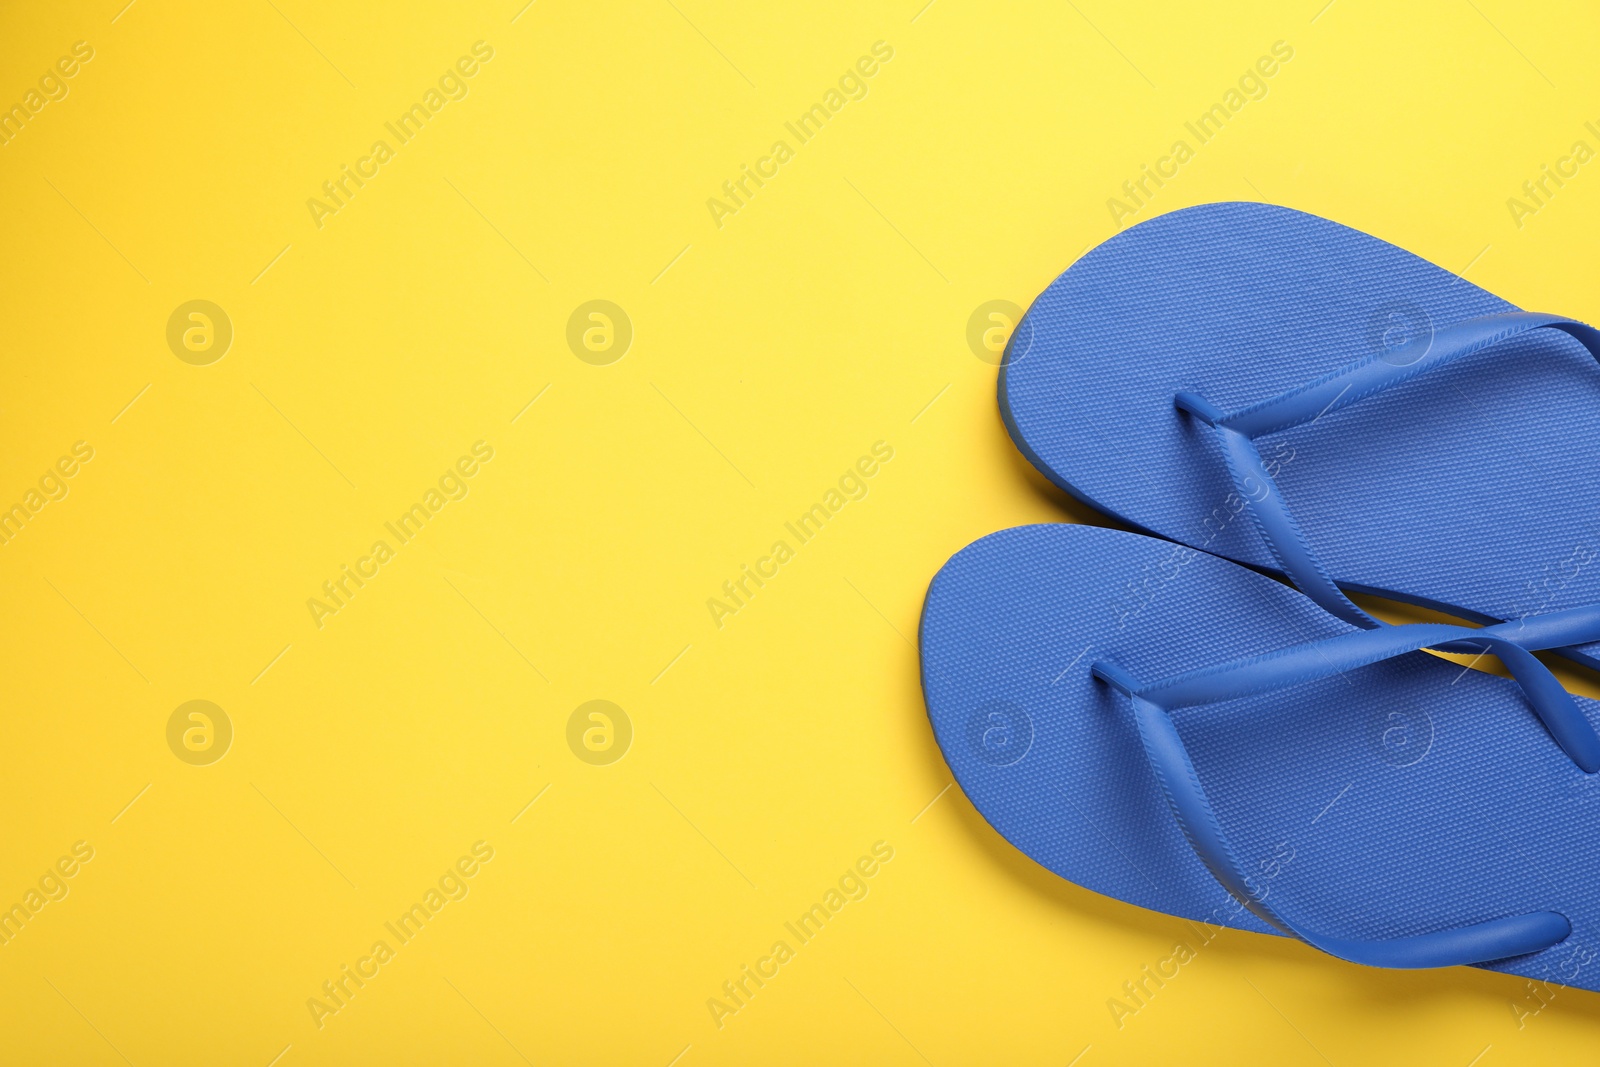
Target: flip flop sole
[(1471, 489), (1403, 797)]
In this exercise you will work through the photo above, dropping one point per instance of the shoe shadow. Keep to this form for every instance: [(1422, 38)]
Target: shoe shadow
[(1021, 471)]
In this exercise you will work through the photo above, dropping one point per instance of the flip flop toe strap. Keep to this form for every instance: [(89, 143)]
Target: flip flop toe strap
[(1481, 941), (1236, 431)]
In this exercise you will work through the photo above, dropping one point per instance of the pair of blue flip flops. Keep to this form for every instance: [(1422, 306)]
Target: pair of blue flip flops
[(1160, 725)]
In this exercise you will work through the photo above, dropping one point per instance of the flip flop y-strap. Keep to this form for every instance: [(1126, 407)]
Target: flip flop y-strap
[(1237, 431), (1484, 941), (1298, 664)]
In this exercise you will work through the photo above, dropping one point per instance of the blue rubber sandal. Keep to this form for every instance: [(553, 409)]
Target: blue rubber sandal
[(1388, 427), (1221, 749)]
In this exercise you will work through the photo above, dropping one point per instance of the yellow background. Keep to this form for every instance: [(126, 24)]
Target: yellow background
[(768, 354)]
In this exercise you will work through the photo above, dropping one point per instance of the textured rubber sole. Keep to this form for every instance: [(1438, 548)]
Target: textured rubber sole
[(1472, 489), (1403, 797)]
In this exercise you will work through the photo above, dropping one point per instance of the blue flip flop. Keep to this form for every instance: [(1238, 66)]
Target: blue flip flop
[(1225, 751), (1388, 427)]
